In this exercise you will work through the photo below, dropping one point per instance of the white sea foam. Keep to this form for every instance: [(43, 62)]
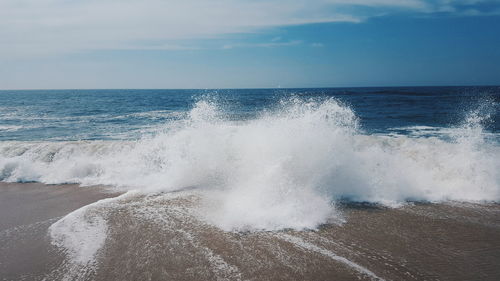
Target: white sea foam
[(283, 169), (10, 128), (82, 233), (301, 243)]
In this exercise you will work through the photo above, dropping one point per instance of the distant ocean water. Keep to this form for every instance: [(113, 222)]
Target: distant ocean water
[(58, 115), (272, 158)]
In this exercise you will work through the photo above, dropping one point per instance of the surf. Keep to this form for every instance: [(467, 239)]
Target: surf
[(285, 168)]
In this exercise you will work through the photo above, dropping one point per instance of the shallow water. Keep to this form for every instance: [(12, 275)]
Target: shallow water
[(162, 236)]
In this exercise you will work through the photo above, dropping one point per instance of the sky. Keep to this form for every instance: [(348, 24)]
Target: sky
[(144, 44)]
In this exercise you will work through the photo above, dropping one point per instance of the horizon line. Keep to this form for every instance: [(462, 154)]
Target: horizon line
[(253, 88)]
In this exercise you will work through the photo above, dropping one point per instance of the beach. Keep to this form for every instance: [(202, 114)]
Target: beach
[(26, 212), (161, 236)]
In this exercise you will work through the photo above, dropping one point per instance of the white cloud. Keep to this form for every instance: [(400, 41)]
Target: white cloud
[(42, 27), (273, 43)]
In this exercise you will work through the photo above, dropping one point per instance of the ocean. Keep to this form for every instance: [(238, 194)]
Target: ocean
[(208, 170), (74, 115)]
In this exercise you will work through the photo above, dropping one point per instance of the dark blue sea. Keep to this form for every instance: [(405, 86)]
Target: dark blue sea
[(56, 115)]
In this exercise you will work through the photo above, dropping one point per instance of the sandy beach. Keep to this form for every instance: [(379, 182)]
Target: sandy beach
[(26, 212), (159, 237)]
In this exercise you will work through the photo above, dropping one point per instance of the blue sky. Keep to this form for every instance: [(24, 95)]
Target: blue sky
[(53, 44)]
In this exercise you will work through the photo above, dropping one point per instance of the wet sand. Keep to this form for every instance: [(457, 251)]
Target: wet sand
[(160, 237), (26, 212)]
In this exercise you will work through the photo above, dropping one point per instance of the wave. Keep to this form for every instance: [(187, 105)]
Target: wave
[(285, 168), (10, 128)]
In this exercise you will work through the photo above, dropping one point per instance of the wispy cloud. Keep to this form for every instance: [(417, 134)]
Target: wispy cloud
[(271, 44), (166, 47), (41, 27)]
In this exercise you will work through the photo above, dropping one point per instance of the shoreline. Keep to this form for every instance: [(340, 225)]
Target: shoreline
[(27, 203), (158, 237), (26, 212)]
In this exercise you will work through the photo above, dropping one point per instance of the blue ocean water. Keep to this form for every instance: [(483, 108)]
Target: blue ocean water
[(57, 115), (262, 159)]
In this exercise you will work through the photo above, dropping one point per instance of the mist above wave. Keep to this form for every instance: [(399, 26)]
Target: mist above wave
[(284, 169)]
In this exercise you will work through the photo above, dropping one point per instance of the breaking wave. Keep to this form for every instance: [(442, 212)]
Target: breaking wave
[(284, 169)]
